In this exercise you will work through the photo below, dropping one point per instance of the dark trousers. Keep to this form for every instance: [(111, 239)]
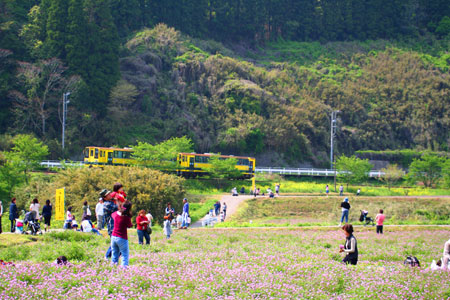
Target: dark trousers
[(13, 225), (380, 229), (141, 234), (347, 260), (1, 225)]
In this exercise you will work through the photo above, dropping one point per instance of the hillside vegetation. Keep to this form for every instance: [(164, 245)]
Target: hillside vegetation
[(265, 86)]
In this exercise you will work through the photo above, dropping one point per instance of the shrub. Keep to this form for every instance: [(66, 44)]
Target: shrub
[(146, 189)]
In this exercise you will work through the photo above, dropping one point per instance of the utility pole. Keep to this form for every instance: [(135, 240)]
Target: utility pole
[(65, 102), (333, 134)]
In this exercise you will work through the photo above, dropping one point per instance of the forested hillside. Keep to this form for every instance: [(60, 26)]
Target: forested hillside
[(239, 77)]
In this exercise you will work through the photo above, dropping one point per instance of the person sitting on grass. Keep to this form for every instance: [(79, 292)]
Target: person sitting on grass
[(350, 247), (86, 226)]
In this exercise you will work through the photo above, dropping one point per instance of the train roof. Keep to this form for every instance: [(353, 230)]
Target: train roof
[(110, 148), (212, 154)]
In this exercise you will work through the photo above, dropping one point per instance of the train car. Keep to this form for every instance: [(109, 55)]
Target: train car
[(193, 164), (101, 156), (187, 164)]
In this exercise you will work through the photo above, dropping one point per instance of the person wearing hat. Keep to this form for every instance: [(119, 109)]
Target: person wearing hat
[(345, 206), (109, 207), (185, 214)]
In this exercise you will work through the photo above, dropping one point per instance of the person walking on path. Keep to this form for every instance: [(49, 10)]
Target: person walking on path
[(185, 214), (350, 247), (35, 206), (341, 190), (99, 213), (13, 214), (119, 237), (380, 219), (224, 210), (327, 190), (345, 207), (142, 225), (47, 214), (217, 208), (277, 189)]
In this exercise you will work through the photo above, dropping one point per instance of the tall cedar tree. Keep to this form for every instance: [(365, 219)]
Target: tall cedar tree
[(55, 42)]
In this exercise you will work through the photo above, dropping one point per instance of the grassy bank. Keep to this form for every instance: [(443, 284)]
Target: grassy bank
[(310, 211)]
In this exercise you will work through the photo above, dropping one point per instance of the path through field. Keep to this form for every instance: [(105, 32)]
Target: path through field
[(232, 206)]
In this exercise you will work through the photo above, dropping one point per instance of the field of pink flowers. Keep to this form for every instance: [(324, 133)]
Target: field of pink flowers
[(239, 264)]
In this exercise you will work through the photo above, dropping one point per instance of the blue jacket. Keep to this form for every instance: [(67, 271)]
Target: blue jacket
[(13, 211)]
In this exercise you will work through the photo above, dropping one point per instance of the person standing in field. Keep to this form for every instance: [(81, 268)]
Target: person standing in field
[(167, 228), (358, 192), (47, 214), (224, 210), (277, 189), (142, 225), (380, 219), (345, 207), (86, 211), (350, 247), (35, 206), (185, 214), (13, 214), (327, 190), (119, 237), (99, 213), (446, 255), (341, 190)]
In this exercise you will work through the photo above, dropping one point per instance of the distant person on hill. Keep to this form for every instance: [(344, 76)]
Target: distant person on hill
[(13, 214), (358, 192), (277, 189), (255, 192), (47, 214), (327, 190), (380, 219), (345, 207), (350, 247), (341, 190)]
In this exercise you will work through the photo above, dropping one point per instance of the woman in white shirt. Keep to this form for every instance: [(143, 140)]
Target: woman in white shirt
[(35, 206)]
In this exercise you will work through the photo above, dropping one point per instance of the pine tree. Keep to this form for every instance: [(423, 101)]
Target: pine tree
[(55, 42)]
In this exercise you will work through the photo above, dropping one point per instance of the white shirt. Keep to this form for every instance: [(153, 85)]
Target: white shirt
[(180, 218), (99, 209), (86, 226), (35, 207), (149, 218)]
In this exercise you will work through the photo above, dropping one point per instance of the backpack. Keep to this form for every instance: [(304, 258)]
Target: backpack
[(411, 261)]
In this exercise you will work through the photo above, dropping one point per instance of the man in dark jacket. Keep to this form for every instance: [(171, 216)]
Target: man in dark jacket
[(345, 207), (109, 207), (13, 215)]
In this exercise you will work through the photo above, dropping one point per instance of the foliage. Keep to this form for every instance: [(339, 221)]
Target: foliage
[(163, 154), (443, 28), (222, 168), (147, 189), (392, 173), (404, 157), (427, 170), (446, 173), (26, 154), (352, 169)]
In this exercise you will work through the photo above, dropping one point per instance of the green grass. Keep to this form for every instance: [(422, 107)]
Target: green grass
[(319, 211)]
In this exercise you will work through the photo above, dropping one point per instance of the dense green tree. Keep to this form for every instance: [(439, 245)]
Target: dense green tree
[(427, 169), (56, 30), (392, 174), (221, 169), (352, 169)]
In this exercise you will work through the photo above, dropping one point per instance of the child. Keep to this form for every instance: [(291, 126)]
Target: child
[(74, 223), (380, 219), (166, 227), (358, 192), (221, 217), (19, 222)]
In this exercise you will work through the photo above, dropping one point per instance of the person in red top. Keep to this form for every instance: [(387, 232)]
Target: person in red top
[(118, 194), (380, 219), (119, 237), (142, 224)]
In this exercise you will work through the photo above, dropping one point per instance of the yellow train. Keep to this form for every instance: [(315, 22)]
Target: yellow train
[(188, 164)]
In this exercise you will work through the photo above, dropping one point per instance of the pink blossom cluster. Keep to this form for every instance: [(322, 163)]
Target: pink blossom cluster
[(244, 264)]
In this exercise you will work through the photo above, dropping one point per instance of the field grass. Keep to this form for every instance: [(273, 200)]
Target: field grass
[(310, 210), (241, 263)]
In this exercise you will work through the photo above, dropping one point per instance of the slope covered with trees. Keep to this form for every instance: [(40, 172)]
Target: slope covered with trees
[(268, 92)]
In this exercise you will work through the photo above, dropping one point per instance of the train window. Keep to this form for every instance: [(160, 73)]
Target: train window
[(126, 154), (96, 153), (92, 153), (86, 152)]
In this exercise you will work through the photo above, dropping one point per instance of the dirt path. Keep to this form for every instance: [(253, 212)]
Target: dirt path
[(233, 204)]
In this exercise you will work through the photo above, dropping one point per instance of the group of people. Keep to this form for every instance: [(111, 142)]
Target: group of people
[(180, 221), (341, 190), (257, 191)]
